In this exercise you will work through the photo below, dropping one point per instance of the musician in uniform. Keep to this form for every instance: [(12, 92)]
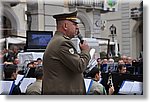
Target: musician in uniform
[(96, 87), (10, 74), (62, 65)]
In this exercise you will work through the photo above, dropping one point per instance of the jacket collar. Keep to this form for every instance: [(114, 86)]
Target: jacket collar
[(62, 34)]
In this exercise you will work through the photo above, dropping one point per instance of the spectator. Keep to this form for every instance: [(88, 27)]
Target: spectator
[(111, 65), (129, 61), (120, 62), (111, 61), (99, 63), (124, 58), (105, 61), (12, 54), (5, 54), (104, 66)]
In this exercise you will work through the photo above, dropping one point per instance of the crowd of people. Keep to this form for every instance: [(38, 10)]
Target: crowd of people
[(123, 65), (34, 69)]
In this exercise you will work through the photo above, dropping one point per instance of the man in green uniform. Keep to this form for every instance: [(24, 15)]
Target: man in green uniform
[(62, 65), (97, 88)]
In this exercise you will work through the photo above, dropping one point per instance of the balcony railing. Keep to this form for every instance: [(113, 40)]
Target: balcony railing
[(11, 2), (97, 4)]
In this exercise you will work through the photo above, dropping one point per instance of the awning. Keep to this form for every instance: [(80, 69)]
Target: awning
[(13, 40), (16, 40)]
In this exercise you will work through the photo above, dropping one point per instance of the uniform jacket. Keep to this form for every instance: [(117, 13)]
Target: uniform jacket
[(63, 67), (34, 88), (97, 89)]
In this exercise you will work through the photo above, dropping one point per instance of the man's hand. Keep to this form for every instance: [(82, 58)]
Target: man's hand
[(84, 46), (111, 90)]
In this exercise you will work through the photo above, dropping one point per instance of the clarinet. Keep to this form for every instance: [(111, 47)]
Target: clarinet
[(110, 82)]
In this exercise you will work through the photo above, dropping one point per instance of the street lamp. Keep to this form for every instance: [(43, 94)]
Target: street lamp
[(114, 49), (113, 32)]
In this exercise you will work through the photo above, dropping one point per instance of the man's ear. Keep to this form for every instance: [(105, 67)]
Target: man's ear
[(13, 75), (65, 26), (97, 75)]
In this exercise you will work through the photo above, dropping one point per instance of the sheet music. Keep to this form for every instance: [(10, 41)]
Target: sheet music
[(25, 83), (87, 83), (126, 87), (5, 87), (19, 77), (131, 87), (92, 64), (137, 87), (92, 61), (92, 52)]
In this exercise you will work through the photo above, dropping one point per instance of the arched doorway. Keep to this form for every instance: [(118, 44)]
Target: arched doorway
[(6, 27), (9, 22), (86, 24), (138, 38)]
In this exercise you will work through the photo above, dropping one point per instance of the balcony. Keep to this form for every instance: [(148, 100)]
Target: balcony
[(87, 4), (11, 2)]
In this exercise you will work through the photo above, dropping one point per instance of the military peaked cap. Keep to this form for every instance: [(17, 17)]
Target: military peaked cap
[(67, 16)]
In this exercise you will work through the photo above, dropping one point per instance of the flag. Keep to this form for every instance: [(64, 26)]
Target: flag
[(111, 5)]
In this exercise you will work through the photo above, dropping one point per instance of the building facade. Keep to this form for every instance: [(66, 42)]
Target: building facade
[(96, 20)]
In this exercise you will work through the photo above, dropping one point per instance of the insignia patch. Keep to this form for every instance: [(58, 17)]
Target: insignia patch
[(66, 37), (71, 50)]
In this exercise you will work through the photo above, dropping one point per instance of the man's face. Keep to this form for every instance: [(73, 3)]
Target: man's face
[(14, 75), (105, 61), (121, 62), (123, 70), (72, 29), (16, 61), (98, 76), (124, 58)]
